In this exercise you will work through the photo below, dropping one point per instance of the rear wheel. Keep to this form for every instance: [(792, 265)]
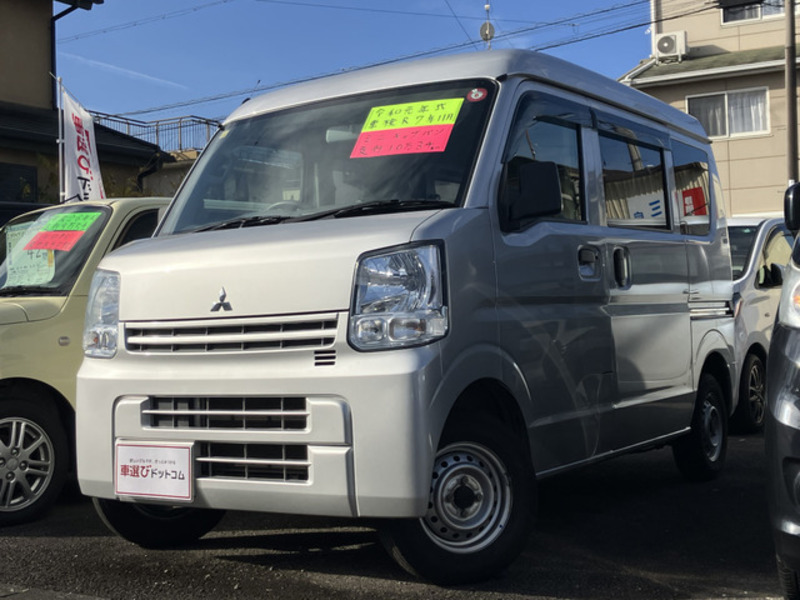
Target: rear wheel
[(749, 414), (480, 510), (700, 455), (34, 459), (155, 526)]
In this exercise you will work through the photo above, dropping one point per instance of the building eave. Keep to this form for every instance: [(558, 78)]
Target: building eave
[(771, 66)]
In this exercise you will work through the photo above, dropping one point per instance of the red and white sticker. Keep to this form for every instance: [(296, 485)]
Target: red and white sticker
[(476, 95)]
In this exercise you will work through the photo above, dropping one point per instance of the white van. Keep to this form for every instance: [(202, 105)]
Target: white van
[(407, 293)]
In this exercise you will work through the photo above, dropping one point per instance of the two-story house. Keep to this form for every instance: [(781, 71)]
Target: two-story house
[(28, 111), (723, 62)]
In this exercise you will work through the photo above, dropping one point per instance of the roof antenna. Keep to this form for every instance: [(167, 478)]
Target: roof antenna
[(487, 29)]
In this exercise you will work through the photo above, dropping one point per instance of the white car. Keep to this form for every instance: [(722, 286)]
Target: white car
[(760, 248)]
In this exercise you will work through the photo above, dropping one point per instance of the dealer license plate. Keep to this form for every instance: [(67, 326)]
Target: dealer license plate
[(158, 470)]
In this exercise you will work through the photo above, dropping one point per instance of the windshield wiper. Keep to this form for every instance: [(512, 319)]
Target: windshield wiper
[(29, 290), (240, 222), (378, 207)]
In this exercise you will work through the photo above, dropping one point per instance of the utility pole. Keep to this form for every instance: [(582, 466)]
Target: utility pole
[(791, 93)]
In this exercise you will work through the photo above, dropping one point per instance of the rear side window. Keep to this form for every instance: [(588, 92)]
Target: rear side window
[(693, 186), (633, 183)]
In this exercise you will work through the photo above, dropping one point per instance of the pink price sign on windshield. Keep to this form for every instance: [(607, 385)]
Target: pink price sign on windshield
[(409, 128)]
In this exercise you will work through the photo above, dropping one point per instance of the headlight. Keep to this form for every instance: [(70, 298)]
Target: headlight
[(101, 327), (789, 308), (399, 299)]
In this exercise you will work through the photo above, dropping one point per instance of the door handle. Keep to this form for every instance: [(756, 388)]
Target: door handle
[(622, 267), (589, 262)]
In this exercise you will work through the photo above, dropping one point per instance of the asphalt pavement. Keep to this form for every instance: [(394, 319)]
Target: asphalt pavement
[(626, 529)]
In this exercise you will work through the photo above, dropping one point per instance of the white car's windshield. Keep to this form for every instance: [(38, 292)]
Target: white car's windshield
[(42, 253), (403, 149)]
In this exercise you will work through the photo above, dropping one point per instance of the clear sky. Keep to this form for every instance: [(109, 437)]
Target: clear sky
[(203, 57)]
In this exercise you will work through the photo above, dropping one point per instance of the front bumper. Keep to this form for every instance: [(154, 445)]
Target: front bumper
[(350, 438)]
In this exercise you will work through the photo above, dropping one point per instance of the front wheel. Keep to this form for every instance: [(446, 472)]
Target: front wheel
[(700, 455), (154, 526), (751, 409), (34, 460), (480, 509)]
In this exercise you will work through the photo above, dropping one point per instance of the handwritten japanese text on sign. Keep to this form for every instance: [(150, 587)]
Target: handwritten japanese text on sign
[(54, 240), (409, 128), (80, 221)]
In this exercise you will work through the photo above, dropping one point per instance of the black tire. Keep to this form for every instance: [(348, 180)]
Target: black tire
[(700, 455), (481, 509), (34, 460), (787, 577), (155, 526), (751, 409)]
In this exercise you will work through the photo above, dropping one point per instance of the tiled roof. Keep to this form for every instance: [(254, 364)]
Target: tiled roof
[(720, 63)]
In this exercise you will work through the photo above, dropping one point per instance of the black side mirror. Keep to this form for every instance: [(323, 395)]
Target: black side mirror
[(791, 207), (531, 189), (776, 274), (770, 276)]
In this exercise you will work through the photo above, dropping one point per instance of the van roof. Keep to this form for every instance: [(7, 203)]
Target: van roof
[(494, 64)]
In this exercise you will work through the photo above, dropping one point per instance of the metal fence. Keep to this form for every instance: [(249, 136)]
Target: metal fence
[(171, 135)]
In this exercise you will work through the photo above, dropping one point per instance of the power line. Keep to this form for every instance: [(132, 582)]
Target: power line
[(460, 24), (138, 22), (592, 36), (420, 54), (187, 11)]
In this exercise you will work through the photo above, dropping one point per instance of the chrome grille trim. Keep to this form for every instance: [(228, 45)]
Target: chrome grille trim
[(225, 413), (233, 335), (709, 309)]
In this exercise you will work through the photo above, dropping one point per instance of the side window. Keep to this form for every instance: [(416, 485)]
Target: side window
[(540, 136), (140, 226), (692, 184), (633, 183)]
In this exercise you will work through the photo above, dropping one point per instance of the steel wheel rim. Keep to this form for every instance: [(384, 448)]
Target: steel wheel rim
[(755, 394), (470, 499), (712, 431), (27, 463)]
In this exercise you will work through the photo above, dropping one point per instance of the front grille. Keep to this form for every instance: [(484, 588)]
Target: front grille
[(232, 335), (234, 412), (271, 462)]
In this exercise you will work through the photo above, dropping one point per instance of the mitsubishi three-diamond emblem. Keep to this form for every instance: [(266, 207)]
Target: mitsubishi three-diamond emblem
[(221, 304)]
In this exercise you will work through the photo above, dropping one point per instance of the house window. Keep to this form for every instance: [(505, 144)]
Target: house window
[(751, 12), (731, 113)]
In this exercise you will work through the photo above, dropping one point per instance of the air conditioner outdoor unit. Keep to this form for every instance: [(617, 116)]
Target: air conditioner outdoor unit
[(671, 45)]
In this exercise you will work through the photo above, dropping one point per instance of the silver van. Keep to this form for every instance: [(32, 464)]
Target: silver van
[(406, 294)]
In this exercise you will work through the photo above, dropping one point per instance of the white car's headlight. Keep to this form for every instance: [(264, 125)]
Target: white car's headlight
[(399, 299), (101, 327), (789, 308)]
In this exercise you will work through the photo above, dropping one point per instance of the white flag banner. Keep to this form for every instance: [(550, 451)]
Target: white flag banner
[(82, 179)]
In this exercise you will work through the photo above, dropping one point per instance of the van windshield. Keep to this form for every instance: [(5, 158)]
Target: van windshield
[(42, 253), (402, 149)]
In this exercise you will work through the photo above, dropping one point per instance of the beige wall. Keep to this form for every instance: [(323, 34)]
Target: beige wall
[(708, 35), (752, 168), (25, 52)]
